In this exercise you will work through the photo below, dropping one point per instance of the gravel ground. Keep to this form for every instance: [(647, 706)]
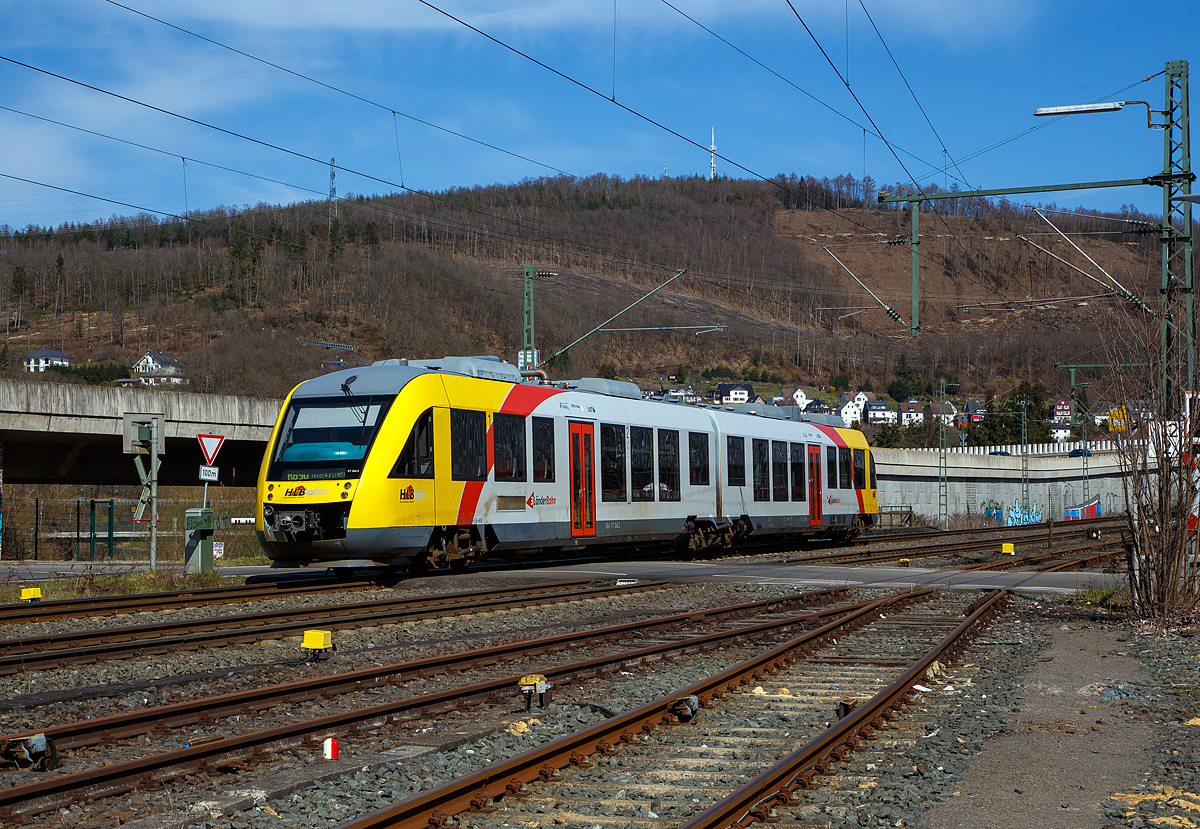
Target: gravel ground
[(901, 777), (909, 776), (68, 694)]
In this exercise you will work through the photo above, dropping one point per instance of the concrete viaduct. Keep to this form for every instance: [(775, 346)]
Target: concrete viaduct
[(61, 433)]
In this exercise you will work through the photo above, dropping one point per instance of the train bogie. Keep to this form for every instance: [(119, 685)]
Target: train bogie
[(421, 464)]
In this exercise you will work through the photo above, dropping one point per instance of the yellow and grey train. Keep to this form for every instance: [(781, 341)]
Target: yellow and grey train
[(441, 463)]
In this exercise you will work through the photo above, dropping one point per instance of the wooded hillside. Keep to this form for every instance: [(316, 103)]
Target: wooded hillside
[(418, 275)]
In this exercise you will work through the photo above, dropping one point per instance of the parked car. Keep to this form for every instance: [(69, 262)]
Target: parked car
[(1001, 452), (1079, 453)]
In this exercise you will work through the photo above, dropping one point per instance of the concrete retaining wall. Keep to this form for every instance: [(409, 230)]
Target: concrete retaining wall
[(909, 477), (97, 410)]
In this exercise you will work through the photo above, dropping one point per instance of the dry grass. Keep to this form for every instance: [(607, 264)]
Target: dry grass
[(131, 582)]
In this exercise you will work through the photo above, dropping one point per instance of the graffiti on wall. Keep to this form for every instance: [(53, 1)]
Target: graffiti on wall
[(1019, 516), (992, 511)]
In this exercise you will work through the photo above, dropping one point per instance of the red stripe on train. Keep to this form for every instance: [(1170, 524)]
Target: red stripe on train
[(522, 400)]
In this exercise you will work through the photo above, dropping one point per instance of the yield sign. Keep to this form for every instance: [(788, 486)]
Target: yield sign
[(210, 445)]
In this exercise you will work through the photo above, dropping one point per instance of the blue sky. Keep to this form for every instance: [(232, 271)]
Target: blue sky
[(979, 69)]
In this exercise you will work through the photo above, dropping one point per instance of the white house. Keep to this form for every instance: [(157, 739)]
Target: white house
[(158, 368), (1060, 411), (730, 394), (795, 397), (1060, 432), (911, 413), (944, 411), (43, 358), (876, 411)]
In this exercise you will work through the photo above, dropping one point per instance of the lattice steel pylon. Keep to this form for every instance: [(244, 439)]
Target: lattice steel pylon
[(1178, 311), (943, 498), (1024, 456), (528, 358)]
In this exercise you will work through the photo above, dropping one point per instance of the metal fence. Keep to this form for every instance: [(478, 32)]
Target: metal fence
[(95, 523)]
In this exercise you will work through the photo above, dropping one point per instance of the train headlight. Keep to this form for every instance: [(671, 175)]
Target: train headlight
[(269, 515)]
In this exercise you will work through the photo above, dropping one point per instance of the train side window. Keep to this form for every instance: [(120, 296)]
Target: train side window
[(698, 458), (762, 471), (508, 442), (845, 481), (860, 469), (668, 465), (779, 470), (468, 445), (416, 458), (798, 475), (831, 477), (543, 450), (612, 462), (874, 482), (736, 455), (641, 456)]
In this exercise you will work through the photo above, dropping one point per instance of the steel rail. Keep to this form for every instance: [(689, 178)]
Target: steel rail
[(104, 730), (473, 791), (889, 537), (927, 551), (44, 611), (123, 777), (56, 650), (1080, 561), (1035, 562), (755, 801)]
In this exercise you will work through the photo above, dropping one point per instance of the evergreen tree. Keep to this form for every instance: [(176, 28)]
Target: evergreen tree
[(906, 380)]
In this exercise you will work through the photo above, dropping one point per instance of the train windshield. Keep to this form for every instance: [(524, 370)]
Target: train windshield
[(327, 438)]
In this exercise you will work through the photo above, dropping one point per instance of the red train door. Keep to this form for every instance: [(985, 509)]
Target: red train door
[(583, 480), (815, 515)]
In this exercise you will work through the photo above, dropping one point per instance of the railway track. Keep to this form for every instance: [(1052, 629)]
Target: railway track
[(882, 537), (75, 647), (43, 611), (1054, 560), (672, 635), (720, 752), (105, 730), (1016, 536)]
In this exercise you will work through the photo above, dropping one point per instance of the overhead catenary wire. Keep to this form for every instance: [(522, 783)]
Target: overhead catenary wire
[(767, 283), (961, 176), (882, 305), (367, 176), (789, 82), (381, 106), (684, 138), (886, 143), (254, 234)]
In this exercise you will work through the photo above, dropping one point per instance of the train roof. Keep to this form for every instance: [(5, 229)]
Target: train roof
[(389, 376)]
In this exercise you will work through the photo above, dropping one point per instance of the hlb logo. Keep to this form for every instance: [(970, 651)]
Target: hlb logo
[(540, 501), (411, 494), (297, 491)]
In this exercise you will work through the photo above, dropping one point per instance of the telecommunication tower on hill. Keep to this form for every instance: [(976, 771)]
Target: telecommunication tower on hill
[(712, 170)]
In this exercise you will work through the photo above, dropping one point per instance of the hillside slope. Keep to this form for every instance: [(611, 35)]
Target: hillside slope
[(427, 275)]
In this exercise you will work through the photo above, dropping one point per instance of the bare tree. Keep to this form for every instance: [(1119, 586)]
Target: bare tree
[(1156, 453)]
